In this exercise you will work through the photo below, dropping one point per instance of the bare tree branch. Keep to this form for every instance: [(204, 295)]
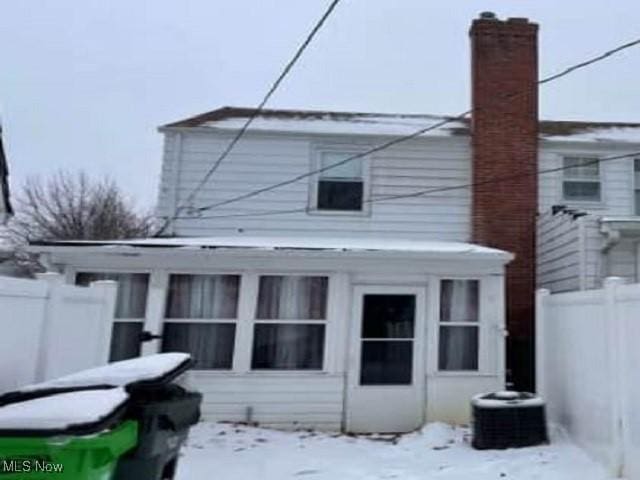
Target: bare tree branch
[(74, 207)]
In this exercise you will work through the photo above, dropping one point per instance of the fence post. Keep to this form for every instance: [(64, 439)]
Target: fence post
[(541, 305), (108, 291), (54, 281), (615, 364)]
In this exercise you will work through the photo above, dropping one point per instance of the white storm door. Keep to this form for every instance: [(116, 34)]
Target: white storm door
[(386, 369)]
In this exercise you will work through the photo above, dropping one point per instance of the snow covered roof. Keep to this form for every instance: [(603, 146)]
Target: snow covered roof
[(360, 123), (322, 122), (343, 244)]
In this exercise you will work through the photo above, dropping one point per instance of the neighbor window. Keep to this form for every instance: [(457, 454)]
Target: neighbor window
[(289, 329), (581, 179), (340, 188), (636, 185), (131, 306), (201, 315), (459, 325)]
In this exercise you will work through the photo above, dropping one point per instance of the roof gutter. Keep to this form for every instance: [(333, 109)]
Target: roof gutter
[(125, 250)]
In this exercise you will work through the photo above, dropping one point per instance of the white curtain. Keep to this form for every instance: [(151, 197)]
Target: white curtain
[(285, 346), (459, 301), (292, 298), (203, 296), (458, 349), (210, 344)]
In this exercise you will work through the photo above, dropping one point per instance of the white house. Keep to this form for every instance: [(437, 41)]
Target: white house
[(359, 297), (594, 230)]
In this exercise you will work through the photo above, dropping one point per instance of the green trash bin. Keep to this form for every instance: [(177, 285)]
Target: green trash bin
[(91, 457), (164, 410), (69, 436)]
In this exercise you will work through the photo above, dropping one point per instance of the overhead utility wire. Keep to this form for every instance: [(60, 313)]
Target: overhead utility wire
[(303, 46), (415, 134), (427, 192)]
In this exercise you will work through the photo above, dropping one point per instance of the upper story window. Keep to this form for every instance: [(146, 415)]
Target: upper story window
[(340, 188), (636, 184), (581, 180)]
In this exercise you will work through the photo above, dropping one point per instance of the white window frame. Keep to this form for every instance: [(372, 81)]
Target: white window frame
[(482, 365), (564, 178), (316, 153), (253, 298), (224, 321)]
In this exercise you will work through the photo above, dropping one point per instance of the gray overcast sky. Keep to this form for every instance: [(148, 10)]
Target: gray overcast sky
[(84, 84)]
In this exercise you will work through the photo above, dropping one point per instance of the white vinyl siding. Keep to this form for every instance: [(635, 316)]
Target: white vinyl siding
[(261, 160), (559, 262)]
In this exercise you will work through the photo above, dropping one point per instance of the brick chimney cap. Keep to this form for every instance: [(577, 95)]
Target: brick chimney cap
[(518, 20), (488, 16)]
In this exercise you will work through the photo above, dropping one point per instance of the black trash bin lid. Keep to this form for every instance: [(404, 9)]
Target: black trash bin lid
[(150, 371), (73, 413)]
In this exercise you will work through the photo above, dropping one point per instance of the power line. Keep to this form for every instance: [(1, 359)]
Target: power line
[(303, 46), (415, 134), (430, 191)]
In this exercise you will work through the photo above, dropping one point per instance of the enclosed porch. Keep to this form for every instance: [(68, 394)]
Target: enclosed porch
[(359, 335)]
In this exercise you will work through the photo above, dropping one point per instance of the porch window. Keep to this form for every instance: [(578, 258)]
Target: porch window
[(202, 312), (581, 179), (289, 330), (131, 307), (636, 185), (340, 188), (459, 325)]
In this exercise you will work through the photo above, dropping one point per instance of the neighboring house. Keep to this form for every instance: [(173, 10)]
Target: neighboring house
[(589, 228), (329, 303)]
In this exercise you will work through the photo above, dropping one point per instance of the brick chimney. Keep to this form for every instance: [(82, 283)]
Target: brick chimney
[(504, 129)]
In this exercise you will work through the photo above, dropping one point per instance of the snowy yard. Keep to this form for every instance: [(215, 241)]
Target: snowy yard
[(238, 452)]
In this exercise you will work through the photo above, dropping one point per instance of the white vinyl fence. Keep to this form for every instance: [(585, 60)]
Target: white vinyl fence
[(588, 370), (49, 328)]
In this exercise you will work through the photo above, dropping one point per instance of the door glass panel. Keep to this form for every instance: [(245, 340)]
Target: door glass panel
[(386, 362), (387, 339), (388, 316)]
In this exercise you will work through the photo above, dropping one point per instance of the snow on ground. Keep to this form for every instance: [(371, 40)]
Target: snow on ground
[(438, 452)]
